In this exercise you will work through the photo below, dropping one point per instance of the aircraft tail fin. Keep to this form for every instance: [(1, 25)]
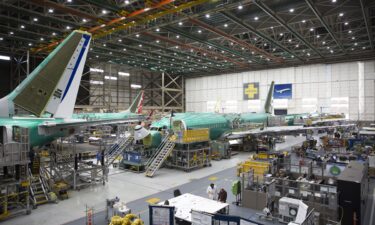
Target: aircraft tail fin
[(268, 104), (52, 87), (137, 104)]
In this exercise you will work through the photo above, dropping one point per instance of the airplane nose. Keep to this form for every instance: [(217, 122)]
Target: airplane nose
[(140, 132)]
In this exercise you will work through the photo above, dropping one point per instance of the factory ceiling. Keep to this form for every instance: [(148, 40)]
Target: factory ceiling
[(199, 37)]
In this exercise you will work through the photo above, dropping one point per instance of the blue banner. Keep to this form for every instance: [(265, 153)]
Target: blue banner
[(282, 91)]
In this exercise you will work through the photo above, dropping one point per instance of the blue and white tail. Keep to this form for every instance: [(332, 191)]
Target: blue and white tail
[(53, 86)]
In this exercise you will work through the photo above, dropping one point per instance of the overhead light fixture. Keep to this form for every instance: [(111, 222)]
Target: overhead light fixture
[(137, 35), (11, 33), (126, 2), (42, 39), (53, 34), (256, 18), (22, 27), (311, 29), (157, 41), (349, 31), (124, 49), (353, 38), (240, 7), (363, 47), (69, 1), (119, 40), (303, 21), (180, 23), (104, 11), (297, 46), (68, 27), (207, 15), (290, 40), (30, 44), (225, 25), (35, 19), (50, 10), (110, 53), (1, 38), (334, 1), (346, 23), (84, 20), (199, 31), (323, 42), (157, 29), (356, 44), (331, 51), (4, 57), (318, 36), (341, 14), (96, 82), (135, 86), (281, 34), (146, 9), (291, 10), (140, 46), (110, 78), (96, 69), (177, 36), (104, 45)]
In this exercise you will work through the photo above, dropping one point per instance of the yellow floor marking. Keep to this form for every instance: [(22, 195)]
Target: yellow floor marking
[(153, 200), (212, 178)]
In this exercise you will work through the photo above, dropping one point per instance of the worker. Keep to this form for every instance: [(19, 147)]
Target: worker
[(98, 157), (222, 196), (166, 202), (31, 157), (211, 191)]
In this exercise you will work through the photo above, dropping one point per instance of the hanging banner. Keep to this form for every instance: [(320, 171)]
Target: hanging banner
[(251, 91), (282, 91)]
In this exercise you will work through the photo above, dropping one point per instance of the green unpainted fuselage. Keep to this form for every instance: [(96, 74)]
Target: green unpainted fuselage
[(37, 139), (32, 124), (217, 124), (104, 116)]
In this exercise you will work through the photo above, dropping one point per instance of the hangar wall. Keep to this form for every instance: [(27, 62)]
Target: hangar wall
[(337, 88), (112, 91)]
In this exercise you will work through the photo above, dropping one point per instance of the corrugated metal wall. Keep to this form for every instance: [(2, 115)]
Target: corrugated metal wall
[(344, 87)]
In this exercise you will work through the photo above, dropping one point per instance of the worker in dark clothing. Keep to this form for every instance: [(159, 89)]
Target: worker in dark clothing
[(31, 157), (222, 196)]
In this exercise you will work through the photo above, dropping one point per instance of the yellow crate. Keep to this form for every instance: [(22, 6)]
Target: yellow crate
[(195, 135), (260, 168)]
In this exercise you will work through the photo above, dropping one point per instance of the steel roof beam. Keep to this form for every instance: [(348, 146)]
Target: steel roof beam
[(236, 40), (104, 5), (277, 18), (326, 26), (260, 34), (186, 46), (369, 33), (63, 8), (187, 35)]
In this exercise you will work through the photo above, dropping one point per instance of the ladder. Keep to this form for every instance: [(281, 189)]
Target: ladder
[(38, 190), (116, 149), (163, 151)]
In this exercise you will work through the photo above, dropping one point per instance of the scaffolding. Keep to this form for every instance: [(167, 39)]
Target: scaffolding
[(192, 150), (14, 179), (65, 165)]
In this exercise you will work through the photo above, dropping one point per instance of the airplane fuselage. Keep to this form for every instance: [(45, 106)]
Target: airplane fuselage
[(35, 138)]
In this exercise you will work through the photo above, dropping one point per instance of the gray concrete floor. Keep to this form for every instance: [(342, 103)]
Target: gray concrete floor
[(134, 189)]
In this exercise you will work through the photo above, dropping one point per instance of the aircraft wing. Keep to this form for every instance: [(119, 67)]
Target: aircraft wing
[(50, 127), (282, 130)]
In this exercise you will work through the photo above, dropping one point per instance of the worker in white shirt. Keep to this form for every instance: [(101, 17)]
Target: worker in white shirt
[(212, 191)]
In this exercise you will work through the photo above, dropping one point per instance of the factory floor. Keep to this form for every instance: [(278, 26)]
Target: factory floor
[(135, 189)]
